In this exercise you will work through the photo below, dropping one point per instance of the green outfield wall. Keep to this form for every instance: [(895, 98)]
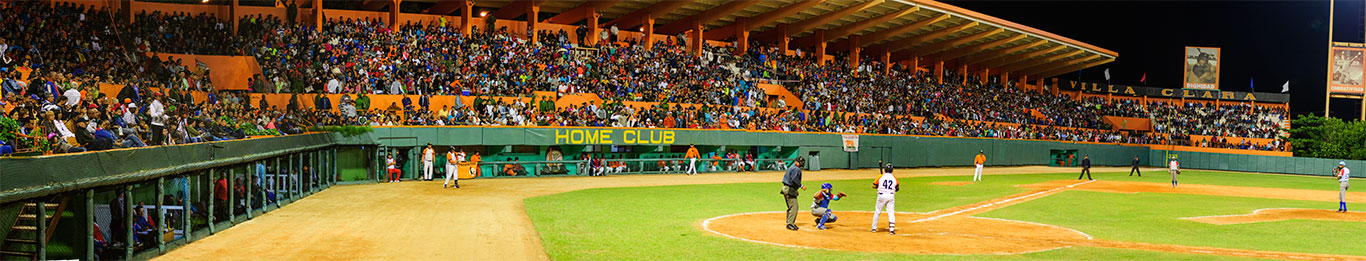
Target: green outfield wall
[(25, 177)]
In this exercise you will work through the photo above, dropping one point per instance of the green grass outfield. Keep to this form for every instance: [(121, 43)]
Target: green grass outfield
[(664, 222)]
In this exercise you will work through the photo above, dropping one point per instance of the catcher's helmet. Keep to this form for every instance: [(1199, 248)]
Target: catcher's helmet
[(827, 186)]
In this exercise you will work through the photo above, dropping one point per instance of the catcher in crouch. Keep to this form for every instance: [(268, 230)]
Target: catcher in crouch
[(820, 207)]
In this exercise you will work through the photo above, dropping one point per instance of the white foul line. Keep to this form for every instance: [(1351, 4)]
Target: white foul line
[(998, 202)]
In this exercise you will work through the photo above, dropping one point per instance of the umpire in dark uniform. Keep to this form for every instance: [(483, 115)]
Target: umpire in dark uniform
[(791, 182), (1085, 167), (1135, 169)]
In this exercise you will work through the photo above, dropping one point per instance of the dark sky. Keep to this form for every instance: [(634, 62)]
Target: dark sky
[(1264, 42)]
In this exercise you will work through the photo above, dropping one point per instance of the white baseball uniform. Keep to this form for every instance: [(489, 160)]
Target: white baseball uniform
[(428, 156), (450, 169), (886, 198), (1343, 176)]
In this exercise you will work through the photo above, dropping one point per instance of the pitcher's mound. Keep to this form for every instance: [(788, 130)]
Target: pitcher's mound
[(948, 235), (1279, 214), (951, 183)]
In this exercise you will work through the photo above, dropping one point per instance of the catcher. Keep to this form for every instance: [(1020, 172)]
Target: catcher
[(821, 206)]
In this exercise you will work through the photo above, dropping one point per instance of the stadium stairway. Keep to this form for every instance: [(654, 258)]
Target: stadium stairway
[(22, 239)]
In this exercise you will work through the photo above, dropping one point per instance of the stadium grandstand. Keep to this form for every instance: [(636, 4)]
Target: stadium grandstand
[(216, 112)]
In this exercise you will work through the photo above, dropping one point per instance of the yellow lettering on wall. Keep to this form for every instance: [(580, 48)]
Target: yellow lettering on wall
[(592, 137), (1186, 93), (1250, 97), (576, 136), (1167, 92), (1206, 95), (668, 137), (1129, 90), (629, 136), (1110, 89), (606, 136), (561, 137), (655, 137), (1226, 95)]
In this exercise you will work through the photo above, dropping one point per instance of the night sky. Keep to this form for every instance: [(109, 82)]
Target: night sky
[(1263, 42)]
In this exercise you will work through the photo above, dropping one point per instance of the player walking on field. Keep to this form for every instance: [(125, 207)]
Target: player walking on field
[(428, 157), (979, 161), (887, 187), (1174, 168), (692, 156), (1343, 174)]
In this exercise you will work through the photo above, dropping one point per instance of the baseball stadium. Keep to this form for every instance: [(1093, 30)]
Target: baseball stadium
[(679, 130)]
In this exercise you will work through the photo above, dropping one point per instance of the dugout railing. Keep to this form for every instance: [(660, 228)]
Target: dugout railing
[(142, 207)]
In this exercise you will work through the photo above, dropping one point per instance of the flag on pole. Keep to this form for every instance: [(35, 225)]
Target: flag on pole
[(1286, 87), (1107, 74), (1251, 86), (1144, 80)]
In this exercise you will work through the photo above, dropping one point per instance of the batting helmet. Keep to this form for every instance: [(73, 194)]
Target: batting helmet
[(1342, 163), (827, 186), (887, 169)]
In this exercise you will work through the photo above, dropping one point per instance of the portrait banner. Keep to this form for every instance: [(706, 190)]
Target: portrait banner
[(1346, 75), (1201, 68)]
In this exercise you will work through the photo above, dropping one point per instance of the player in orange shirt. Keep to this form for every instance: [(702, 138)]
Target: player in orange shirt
[(979, 161), (692, 157)]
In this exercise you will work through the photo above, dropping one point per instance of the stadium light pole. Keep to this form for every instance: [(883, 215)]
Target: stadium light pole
[(1328, 81)]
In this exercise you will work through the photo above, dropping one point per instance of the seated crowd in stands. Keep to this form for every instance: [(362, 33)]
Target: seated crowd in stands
[(715, 90)]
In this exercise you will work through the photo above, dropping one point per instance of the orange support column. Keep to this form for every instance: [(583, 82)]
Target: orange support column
[(915, 65), (393, 15), (985, 74), (317, 13), (648, 25), (531, 19), (741, 36), (886, 62), (592, 26), (964, 73), (820, 46), (466, 13), (783, 40), (697, 40), (1005, 78), (939, 72), (232, 12), (854, 50)]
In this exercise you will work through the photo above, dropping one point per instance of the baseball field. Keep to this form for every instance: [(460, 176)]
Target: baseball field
[(1015, 213)]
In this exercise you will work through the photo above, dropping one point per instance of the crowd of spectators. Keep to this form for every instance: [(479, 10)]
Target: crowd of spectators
[(715, 90)]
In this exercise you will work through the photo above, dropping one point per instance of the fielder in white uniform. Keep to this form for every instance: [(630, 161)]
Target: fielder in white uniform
[(1343, 175), (1174, 168), (428, 156), (451, 160), (886, 186)]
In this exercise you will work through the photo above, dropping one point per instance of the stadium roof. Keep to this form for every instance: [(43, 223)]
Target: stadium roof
[(930, 30)]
